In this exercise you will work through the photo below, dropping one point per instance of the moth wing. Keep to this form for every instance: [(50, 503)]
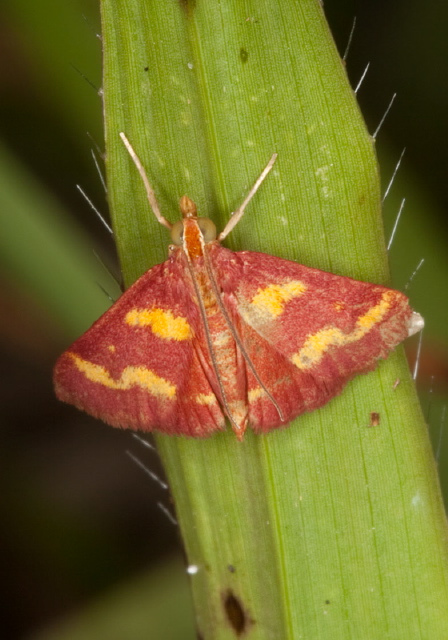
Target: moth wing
[(307, 332), (140, 365)]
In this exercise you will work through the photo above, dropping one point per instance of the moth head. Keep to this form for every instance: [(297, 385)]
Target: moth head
[(189, 211)]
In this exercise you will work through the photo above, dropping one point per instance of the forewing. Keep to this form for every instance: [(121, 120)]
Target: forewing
[(307, 332), (139, 366)]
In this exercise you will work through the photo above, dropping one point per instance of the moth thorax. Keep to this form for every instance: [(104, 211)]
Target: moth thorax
[(192, 238)]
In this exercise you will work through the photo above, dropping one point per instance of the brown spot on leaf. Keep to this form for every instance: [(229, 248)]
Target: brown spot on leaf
[(235, 613), (374, 419)]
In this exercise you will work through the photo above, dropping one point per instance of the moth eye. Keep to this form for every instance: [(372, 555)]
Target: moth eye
[(207, 228), (177, 232)]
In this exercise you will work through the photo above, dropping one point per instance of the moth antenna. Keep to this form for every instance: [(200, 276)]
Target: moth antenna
[(384, 116), (349, 42), (149, 190), (92, 206), (238, 214), (397, 219), (397, 166), (361, 80), (236, 337), (148, 472)]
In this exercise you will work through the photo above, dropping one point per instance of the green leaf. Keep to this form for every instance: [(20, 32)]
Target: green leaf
[(329, 528)]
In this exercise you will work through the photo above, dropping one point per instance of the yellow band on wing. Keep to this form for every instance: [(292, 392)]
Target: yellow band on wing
[(130, 377), (255, 393), (273, 298), (163, 323), (317, 345), (206, 399)]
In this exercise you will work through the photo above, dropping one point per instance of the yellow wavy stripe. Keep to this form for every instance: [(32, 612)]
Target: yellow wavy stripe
[(130, 377), (318, 344)]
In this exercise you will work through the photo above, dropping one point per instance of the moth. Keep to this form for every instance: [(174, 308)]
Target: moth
[(212, 334)]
